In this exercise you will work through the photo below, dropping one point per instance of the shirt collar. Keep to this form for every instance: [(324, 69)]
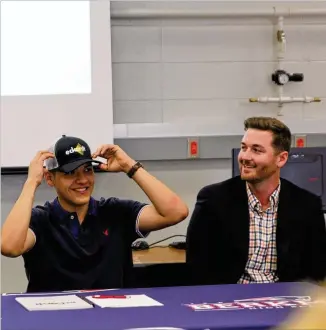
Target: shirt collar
[(254, 203), (62, 214)]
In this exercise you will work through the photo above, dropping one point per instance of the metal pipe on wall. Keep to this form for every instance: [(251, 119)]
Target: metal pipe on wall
[(285, 99), (281, 48), (281, 99), (145, 13)]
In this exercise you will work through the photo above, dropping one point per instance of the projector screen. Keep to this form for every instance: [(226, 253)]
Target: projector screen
[(55, 75)]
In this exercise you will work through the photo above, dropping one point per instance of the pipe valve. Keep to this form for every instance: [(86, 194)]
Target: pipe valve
[(281, 77)]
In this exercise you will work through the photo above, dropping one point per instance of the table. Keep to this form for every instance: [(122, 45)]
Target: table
[(175, 313), (159, 266), (159, 255)]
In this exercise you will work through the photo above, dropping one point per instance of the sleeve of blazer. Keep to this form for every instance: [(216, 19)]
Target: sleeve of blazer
[(201, 235), (317, 255)]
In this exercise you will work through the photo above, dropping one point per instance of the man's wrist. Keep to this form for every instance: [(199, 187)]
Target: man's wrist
[(128, 166), (134, 169)]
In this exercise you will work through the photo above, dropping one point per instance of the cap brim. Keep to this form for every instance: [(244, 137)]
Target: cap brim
[(72, 166)]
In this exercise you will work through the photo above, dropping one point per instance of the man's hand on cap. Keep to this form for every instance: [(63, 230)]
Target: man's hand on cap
[(36, 170), (117, 159)]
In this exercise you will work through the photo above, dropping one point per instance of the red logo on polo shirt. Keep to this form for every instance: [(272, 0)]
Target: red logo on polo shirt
[(106, 232)]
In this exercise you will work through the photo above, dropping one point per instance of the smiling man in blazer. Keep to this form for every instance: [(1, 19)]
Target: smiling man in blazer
[(257, 227)]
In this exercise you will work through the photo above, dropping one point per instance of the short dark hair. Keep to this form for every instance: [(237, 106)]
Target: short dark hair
[(282, 137)]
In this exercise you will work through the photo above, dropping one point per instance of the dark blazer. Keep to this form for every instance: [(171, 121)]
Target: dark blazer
[(218, 234)]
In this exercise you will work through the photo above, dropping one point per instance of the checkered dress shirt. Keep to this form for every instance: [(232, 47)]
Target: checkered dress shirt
[(262, 260)]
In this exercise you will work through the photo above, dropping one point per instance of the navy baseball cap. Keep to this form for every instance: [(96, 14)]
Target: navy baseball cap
[(70, 153)]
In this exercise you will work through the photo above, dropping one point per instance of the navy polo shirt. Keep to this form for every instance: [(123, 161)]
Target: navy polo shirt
[(96, 254)]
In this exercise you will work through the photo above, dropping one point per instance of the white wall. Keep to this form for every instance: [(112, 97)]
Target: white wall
[(170, 71)]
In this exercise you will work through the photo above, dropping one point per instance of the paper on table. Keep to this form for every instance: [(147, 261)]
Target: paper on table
[(55, 293), (117, 301), (53, 303)]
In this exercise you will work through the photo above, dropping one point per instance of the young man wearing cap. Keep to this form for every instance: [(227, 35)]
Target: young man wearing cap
[(75, 241)]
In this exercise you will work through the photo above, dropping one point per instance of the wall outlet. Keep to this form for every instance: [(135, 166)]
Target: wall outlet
[(300, 141), (193, 148)]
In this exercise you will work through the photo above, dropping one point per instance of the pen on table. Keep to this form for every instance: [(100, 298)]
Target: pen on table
[(109, 297), (86, 300)]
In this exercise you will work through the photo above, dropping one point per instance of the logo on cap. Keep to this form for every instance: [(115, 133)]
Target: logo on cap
[(79, 149)]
